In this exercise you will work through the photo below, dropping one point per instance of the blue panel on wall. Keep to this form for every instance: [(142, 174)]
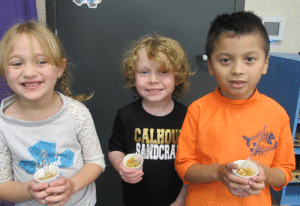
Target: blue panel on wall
[(282, 83)]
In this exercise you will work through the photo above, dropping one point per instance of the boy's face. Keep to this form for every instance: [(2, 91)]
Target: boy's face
[(153, 84), (238, 63)]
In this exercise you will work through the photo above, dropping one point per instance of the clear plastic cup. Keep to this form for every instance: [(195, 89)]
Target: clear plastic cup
[(136, 158), (247, 165), (41, 173)]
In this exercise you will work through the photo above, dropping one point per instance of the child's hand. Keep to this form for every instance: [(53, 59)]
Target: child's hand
[(130, 175), (177, 203), (257, 183), (59, 191), (38, 191), (235, 184)]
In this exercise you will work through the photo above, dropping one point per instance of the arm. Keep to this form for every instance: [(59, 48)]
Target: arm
[(86, 176), (202, 174), (279, 173), (116, 157), (274, 176), (129, 175), (180, 200), (14, 191)]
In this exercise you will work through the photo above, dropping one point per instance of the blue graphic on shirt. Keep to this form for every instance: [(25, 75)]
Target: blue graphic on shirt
[(63, 160), (268, 143)]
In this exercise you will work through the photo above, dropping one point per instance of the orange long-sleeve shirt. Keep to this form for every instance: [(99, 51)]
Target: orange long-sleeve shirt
[(217, 130)]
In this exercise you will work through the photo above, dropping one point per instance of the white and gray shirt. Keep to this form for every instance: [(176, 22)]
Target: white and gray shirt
[(69, 137)]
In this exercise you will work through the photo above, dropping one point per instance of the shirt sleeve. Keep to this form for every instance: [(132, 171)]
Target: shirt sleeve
[(117, 141), (6, 173), (186, 154), (284, 158), (88, 139)]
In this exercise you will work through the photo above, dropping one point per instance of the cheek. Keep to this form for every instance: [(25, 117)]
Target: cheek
[(9, 76)]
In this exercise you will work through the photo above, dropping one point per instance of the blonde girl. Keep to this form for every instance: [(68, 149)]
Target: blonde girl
[(37, 118)]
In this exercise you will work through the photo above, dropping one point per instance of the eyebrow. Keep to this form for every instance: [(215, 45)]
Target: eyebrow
[(246, 54), (21, 56)]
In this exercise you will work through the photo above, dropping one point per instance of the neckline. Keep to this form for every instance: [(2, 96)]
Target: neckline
[(9, 100), (254, 98)]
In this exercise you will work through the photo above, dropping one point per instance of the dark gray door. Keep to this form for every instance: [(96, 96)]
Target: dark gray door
[(95, 40)]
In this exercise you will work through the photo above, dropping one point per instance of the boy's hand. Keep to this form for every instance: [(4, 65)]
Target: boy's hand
[(235, 184), (59, 191), (38, 191), (130, 175), (257, 183)]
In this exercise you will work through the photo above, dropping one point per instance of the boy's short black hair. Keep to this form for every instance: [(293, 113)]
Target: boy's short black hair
[(239, 23)]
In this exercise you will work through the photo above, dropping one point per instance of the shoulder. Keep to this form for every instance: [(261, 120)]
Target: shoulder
[(132, 107), (272, 105), (8, 105), (76, 108), (207, 99)]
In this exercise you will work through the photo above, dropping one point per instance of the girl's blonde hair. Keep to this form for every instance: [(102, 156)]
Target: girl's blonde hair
[(50, 45), (156, 45)]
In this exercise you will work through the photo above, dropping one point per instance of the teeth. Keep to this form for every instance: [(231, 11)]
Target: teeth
[(153, 90), (30, 84)]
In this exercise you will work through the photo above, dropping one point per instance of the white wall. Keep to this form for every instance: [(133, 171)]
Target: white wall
[(290, 10)]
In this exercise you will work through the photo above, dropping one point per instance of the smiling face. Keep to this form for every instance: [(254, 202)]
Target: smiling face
[(153, 84), (29, 74), (237, 63)]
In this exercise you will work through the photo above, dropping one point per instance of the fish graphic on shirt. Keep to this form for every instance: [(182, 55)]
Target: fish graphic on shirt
[(267, 144)]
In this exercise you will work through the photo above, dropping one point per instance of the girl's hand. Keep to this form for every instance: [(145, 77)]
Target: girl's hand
[(130, 175), (60, 191), (38, 191), (257, 183), (237, 186)]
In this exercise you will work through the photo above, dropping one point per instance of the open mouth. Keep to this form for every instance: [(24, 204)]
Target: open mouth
[(237, 84), (153, 91), (31, 85)]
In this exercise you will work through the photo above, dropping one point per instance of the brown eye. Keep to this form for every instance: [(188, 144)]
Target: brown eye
[(225, 60), (250, 59)]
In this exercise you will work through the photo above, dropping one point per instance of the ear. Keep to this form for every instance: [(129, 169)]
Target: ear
[(210, 68), (62, 67), (266, 65)]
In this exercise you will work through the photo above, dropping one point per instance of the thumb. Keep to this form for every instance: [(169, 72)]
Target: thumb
[(231, 166)]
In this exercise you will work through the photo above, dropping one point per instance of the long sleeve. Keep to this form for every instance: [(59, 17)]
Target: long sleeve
[(186, 153)]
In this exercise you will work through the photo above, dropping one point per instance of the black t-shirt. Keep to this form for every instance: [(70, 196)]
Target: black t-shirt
[(133, 130)]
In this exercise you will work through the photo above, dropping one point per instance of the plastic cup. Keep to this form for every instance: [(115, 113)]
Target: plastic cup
[(41, 173), (137, 158), (248, 164)]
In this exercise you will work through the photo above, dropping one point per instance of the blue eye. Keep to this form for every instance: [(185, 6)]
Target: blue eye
[(143, 72), (16, 64), (41, 62)]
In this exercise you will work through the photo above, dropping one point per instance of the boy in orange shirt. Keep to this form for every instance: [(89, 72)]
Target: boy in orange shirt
[(225, 125)]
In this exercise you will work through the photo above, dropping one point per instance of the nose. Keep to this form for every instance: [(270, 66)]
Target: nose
[(237, 68), (29, 70), (154, 78)]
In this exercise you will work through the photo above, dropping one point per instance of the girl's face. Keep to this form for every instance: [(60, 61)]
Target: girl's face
[(152, 84), (29, 74)]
